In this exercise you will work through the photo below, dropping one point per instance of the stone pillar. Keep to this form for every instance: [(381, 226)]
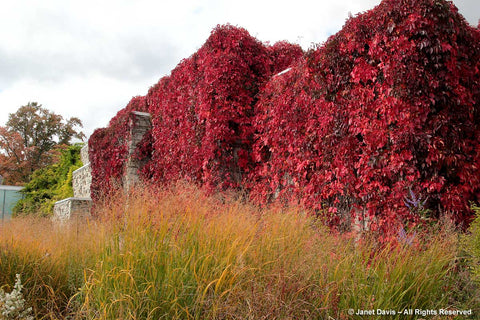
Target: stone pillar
[(79, 205), (140, 124), (82, 180), (82, 177), (84, 155)]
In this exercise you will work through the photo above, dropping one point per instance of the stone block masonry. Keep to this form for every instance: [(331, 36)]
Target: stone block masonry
[(72, 208), (140, 124), (79, 206), (82, 180), (82, 177), (84, 154)]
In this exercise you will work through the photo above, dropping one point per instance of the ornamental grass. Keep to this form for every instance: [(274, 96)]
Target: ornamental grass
[(177, 253)]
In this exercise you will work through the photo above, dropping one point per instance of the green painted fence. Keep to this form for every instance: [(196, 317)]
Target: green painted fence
[(9, 196)]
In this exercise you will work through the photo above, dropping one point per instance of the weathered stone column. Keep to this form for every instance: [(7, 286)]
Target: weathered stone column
[(82, 177), (79, 205), (140, 124)]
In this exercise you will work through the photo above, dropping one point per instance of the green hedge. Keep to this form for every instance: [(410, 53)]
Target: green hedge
[(50, 184)]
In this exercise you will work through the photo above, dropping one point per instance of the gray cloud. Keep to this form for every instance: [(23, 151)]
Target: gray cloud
[(470, 9), (131, 56)]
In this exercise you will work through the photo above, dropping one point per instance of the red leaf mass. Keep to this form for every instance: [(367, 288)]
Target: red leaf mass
[(386, 109)]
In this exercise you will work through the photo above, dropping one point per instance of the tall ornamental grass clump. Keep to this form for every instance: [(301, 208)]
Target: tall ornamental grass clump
[(471, 245), (178, 254), (51, 261)]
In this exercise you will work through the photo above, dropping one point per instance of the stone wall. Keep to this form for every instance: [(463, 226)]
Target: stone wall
[(141, 124), (82, 180), (84, 154), (82, 177), (79, 206), (72, 208)]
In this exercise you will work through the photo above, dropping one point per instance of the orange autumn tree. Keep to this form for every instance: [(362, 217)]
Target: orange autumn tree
[(29, 141)]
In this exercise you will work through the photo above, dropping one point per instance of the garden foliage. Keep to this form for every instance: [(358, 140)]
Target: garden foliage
[(177, 253), (385, 110), (471, 245), (202, 115), (29, 141), (203, 112), (108, 150), (50, 184)]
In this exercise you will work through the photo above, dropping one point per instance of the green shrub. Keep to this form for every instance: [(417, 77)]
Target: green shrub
[(50, 184)]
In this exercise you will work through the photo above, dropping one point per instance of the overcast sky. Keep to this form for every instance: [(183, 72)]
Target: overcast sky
[(89, 58)]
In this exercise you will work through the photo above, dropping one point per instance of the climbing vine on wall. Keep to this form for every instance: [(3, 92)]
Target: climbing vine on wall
[(108, 150), (202, 112), (387, 108), (381, 122)]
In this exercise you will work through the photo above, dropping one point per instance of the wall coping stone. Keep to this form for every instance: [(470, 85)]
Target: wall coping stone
[(73, 199), (139, 113), (82, 168)]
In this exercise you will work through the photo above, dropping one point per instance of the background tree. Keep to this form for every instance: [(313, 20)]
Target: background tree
[(30, 139)]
